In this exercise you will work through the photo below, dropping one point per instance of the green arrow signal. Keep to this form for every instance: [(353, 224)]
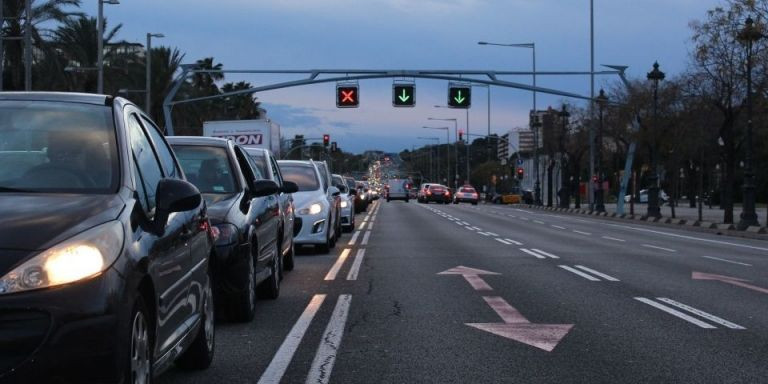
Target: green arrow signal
[(458, 98), (404, 97)]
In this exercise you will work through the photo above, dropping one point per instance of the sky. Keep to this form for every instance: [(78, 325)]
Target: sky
[(413, 35)]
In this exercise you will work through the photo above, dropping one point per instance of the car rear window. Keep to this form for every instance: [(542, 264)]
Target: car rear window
[(303, 175), (208, 168), (467, 190)]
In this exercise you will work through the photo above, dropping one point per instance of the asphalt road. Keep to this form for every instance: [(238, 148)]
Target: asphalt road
[(566, 300)]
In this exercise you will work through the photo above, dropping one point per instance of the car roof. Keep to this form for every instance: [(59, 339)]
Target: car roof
[(305, 163), (72, 97), (198, 140)]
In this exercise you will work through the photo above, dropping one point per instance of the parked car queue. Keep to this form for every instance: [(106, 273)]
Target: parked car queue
[(133, 242)]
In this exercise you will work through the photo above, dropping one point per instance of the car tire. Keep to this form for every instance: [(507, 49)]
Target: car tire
[(406, 200), (270, 288), (288, 260), (199, 355), (243, 304), (140, 344), (325, 247), (475, 203)]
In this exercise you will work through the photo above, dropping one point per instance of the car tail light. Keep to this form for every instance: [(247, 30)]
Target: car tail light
[(447, 193), (429, 192)]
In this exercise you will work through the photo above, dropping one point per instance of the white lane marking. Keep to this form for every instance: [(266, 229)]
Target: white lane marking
[(469, 228), (676, 313), (493, 234), (613, 238), (701, 313), (362, 226), (476, 228), (532, 253), (580, 273), (655, 247), (727, 261), (503, 241), (365, 238), (557, 226), (284, 355), (373, 217), (524, 218), (688, 237), (539, 222), (353, 240), (465, 223), (582, 233), (545, 253), (514, 242), (322, 365), (366, 218), (583, 221), (458, 223), (596, 273), (370, 226), (484, 233), (355, 269), (512, 216), (337, 265)]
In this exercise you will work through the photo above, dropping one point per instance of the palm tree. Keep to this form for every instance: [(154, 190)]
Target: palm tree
[(165, 64), (243, 106), (77, 41)]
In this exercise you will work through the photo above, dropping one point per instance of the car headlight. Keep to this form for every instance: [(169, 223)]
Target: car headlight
[(313, 209), (344, 204), (80, 257), (227, 235)]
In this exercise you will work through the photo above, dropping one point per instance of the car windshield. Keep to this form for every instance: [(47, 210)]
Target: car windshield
[(260, 160), (303, 175), (57, 147), (350, 183), (208, 168)]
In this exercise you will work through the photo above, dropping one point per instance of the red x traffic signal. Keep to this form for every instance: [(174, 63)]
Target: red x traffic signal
[(347, 96)]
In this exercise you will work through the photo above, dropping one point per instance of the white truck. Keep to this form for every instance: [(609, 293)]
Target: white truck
[(261, 133)]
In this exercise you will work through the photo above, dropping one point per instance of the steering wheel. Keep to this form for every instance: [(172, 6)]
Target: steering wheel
[(46, 171)]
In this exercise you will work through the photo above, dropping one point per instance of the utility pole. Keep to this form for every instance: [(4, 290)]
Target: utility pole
[(28, 46), (590, 187)]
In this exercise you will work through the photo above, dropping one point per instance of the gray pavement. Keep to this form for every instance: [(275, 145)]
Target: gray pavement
[(684, 211)]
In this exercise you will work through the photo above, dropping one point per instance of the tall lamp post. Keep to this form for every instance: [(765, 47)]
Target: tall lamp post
[(148, 58), (447, 155), (748, 35), (100, 53), (653, 192), (601, 100), (437, 140), (455, 144), (565, 195)]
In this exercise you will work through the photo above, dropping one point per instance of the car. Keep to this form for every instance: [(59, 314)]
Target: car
[(413, 193), (364, 196), (314, 208), (397, 189), (105, 246), (420, 197), (266, 162), (333, 195), (663, 197), (243, 207), (347, 203), (437, 193), (466, 194)]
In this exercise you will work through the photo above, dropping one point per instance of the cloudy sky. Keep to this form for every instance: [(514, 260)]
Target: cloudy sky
[(412, 34)]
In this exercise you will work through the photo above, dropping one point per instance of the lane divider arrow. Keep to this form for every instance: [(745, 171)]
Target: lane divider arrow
[(472, 276), (728, 280)]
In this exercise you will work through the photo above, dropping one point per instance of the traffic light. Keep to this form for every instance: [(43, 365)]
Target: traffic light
[(347, 96), (326, 140), (459, 96), (334, 147), (594, 179), (461, 135), (403, 95), (520, 173)]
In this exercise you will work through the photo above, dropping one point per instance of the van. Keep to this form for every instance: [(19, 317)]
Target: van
[(398, 189)]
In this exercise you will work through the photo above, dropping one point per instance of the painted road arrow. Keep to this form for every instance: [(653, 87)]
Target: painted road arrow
[(404, 97), (728, 280), (472, 276), (517, 327), (458, 98)]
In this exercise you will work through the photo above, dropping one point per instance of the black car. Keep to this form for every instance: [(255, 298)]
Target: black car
[(105, 248), (243, 207)]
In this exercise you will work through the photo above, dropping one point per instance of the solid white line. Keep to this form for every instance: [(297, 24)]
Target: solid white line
[(370, 226), (365, 238), (539, 222), (655, 247), (322, 365), (284, 355), (545, 253), (514, 242), (557, 226), (469, 228), (337, 265), (596, 273), (524, 218), (701, 313), (355, 269), (677, 313), (493, 234), (727, 261), (688, 237), (373, 217), (484, 233), (533, 253), (354, 238), (613, 238), (503, 241), (576, 271), (362, 226), (366, 218), (582, 233)]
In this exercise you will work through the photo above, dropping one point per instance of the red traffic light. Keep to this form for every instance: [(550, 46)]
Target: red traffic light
[(326, 140), (520, 173), (461, 135)]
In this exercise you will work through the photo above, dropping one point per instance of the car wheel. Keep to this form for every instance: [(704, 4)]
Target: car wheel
[(200, 354), (474, 203), (288, 261), (270, 288), (140, 356), (332, 239), (243, 305)]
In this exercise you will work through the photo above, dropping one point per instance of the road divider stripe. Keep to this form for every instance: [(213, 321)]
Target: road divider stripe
[(284, 355), (492, 234), (539, 222), (365, 238), (613, 239), (545, 253), (582, 233), (337, 265), (533, 253), (469, 228), (355, 269), (370, 226), (353, 240), (701, 313), (322, 365), (676, 313), (659, 248), (557, 226), (727, 261), (524, 218), (687, 237), (362, 226), (580, 273), (514, 242), (503, 241), (484, 233), (596, 273)]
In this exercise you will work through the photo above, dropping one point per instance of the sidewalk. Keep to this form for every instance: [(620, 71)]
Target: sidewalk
[(685, 212)]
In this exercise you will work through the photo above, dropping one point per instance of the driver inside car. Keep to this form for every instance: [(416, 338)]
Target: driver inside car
[(73, 161)]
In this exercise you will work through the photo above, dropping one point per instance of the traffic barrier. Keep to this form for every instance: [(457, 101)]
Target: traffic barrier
[(756, 229)]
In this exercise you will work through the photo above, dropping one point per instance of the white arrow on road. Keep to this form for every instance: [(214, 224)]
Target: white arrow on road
[(728, 280), (472, 276), (517, 327)]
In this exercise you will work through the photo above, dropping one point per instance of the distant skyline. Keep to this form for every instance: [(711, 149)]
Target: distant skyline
[(402, 34)]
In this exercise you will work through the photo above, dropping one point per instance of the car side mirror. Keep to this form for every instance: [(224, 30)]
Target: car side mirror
[(263, 188), (342, 188), (290, 187), (352, 192), (334, 191), (174, 195)]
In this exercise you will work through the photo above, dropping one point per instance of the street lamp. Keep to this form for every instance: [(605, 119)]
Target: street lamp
[(565, 196), (447, 155), (748, 35), (148, 58), (653, 192), (455, 144), (100, 27), (601, 100), (437, 139)]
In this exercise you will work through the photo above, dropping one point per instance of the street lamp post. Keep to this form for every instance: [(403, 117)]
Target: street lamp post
[(565, 196), (455, 145), (437, 139), (748, 35), (601, 100), (148, 58), (100, 53), (653, 192)]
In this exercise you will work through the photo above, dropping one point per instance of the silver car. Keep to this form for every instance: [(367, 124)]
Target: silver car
[(347, 203), (314, 210)]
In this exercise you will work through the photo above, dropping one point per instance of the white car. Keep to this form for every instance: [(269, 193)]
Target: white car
[(663, 197), (347, 203)]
